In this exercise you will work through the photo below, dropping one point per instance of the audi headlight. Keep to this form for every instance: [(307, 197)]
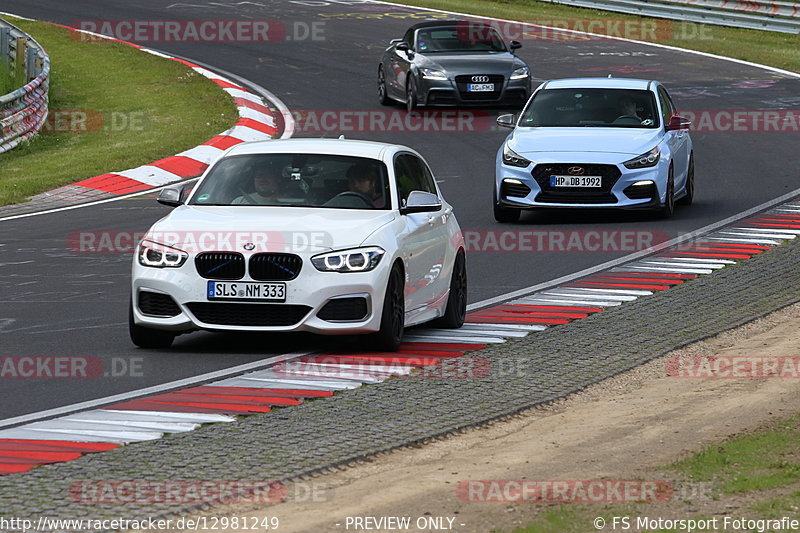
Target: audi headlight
[(511, 158), (153, 254), (521, 72), (354, 260), (433, 74), (646, 160)]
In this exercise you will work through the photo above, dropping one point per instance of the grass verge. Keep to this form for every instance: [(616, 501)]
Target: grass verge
[(780, 50), (755, 476), (112, 107)]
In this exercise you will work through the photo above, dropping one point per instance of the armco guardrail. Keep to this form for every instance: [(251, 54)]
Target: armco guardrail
[(23, 111), (756, 14)]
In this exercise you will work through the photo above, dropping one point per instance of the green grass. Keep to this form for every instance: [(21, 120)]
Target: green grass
[(770, 48), (10, 80), (756, 465), (140, 108), (766, 459)]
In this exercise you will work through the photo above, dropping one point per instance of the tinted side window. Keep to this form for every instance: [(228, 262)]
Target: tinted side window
[(412, 175), (408, 38), (666, 105)]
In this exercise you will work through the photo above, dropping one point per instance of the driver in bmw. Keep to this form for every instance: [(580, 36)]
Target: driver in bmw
[(365, 179), (267, 182)]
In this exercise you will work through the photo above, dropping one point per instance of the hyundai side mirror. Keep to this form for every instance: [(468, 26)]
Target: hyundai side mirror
[(506, 121)]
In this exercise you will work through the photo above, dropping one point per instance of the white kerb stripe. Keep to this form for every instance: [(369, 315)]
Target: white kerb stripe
[(150, 175), (203, 153)]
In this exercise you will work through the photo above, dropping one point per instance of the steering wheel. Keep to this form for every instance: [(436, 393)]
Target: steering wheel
[(628, 117), (353, 194)]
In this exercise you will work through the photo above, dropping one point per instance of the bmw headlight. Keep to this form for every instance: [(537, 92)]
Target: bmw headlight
[(513, 159), (646, 160), (152, 254), (521, 72), (353, 260), (433, 74)]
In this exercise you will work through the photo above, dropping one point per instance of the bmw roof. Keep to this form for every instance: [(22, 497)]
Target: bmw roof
[(598, 83), (448, 23), (357, 148)]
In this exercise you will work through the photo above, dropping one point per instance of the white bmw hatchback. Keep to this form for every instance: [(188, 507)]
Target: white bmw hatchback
[(326, 236)]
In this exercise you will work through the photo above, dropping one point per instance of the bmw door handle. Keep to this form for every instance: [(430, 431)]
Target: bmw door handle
[(431, 219)]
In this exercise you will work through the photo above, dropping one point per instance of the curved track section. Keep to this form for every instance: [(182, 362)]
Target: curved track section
[(59, 302)]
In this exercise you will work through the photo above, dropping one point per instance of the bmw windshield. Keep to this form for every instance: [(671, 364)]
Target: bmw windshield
[(296, 180), (608, 108)]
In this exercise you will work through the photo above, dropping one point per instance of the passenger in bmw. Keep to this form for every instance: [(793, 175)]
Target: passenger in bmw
[(267, 182)]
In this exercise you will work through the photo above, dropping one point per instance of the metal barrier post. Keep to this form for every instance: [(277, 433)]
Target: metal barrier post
[(5, 36)]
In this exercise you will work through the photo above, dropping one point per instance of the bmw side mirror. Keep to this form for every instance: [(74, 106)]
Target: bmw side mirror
[(516, 45), (402, 47), (421, 202), (506, 121), (677, 122), (171, 196), (395, 41)]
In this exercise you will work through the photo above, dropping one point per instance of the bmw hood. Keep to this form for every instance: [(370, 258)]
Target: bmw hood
[(628, 141), (456, 64), (266, 229)]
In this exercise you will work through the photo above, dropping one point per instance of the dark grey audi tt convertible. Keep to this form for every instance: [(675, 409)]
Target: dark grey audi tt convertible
[(453, 63)]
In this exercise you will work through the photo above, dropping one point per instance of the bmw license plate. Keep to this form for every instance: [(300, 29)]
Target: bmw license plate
[(576, 181), (480, 87), (246, 290)]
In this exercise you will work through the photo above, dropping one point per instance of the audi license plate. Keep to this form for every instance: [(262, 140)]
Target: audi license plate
[(576, 181), (480, 87), (246, 290)]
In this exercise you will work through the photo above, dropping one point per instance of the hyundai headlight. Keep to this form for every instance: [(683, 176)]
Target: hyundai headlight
[(646, 160), (520, 73), (513, 159), (353, 260), (153, 254)]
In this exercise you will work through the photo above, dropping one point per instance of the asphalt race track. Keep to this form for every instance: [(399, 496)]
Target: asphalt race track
[(56, 302)]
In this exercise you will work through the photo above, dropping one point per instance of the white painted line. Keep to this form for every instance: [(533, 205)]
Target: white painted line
[(470, 332), (441, 339), (611, 292), (556, 300), (181, 383), (671, 270), (782, 231), (201, 418), (682, 265), (752, 241), (29, 434), (501, 328), (700, 260), (60, 424), (758, 235), (300, 384), (162, 427), (107, 436), (583, 296)]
